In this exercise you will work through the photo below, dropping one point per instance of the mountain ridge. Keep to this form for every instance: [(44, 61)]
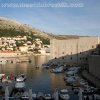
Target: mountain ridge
[(13, 25)]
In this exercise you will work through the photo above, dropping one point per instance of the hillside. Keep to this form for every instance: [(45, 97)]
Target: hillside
[(10, 27), (13, 25)]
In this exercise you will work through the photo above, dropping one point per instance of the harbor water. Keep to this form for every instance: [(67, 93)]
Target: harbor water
[(39, 79)]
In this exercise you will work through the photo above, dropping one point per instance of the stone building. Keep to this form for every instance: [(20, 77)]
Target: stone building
[(94, 63), (73, 50)]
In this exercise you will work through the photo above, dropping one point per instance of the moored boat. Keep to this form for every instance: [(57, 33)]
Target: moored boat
[(21, 78), (40, 95), (57, 70), (20, 85), (47, 96), (63, 94)]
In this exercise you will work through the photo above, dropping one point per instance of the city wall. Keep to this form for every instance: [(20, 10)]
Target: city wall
[(74, 50), (94, 65)]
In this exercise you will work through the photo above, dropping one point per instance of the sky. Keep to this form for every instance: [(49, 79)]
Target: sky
[(61, 17)]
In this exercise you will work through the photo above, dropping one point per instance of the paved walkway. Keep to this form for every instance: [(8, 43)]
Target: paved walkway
[(91, 78)]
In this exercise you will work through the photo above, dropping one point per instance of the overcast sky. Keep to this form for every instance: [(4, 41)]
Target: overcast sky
[(69, 17)]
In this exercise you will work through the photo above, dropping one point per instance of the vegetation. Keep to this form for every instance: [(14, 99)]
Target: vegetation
[(44, 40), (13, 33)]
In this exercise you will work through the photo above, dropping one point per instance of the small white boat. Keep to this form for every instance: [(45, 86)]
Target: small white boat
[(21, 78), (63, 94), (34, 95), (25, 95), (46, 66), (20, 85), (57, 70), (40, 95), (47, 96), (70, 80), (70, 72), (76, 90)]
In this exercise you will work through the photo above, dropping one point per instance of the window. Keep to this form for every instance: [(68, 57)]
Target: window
[(92, 46), (62, 57), (86, 59), (62, 52), (55, 57), (71, 58)]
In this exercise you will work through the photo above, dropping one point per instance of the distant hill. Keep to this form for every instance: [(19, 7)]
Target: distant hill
[(10, 27), (13, 25)]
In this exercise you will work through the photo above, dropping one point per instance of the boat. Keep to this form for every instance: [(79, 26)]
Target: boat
[(21, 78), (40, 95), (19, 85), (34, 95), (63, 94), (47, 96), (57, 70), (46, 66), (20, 81), (70, 72), (25, 96), (76, 90), (71, 79)]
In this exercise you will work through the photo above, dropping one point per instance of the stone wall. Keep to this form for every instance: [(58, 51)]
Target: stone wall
[(94, 65), (73, 50)]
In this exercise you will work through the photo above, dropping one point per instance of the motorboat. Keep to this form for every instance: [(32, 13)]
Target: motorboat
[(83, 82), (40, 95), (63, 94), (47, 96), (73, 68), (74, 77), (34, 95), (20, 85), (45, 66), (57, 70), (25, 96), (21, 78), (71, 72), (76, 90), (70, 80)]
